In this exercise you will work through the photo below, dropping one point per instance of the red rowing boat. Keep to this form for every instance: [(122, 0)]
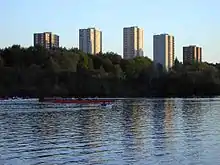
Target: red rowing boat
[(75, 100)]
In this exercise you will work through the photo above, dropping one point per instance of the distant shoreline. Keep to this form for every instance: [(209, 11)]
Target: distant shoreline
[(37, 72), (150, 97)]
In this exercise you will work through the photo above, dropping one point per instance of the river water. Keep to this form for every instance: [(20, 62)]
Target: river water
[(134, 131)]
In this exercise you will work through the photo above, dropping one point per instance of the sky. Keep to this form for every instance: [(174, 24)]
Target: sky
[(190, 22)]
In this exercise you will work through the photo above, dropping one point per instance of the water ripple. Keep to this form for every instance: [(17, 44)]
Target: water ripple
[(135, 131)]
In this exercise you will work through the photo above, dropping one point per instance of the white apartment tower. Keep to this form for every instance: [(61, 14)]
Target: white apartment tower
[(133, 42), (90, 40), (164, 50)]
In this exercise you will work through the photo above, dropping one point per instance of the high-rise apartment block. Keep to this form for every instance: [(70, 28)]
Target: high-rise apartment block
[(192, 54), (164, 50), (133, 42), (90, 40), (47, 40)]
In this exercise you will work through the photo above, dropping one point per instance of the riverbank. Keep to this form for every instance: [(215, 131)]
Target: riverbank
[(115, 98), (37, 72)]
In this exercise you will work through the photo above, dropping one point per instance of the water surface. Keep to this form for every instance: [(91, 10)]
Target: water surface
[(134, 131)]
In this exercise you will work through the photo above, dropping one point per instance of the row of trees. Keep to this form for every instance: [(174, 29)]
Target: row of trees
[(35, 72)]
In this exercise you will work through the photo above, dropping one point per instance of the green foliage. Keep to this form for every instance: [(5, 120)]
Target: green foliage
[(1, 62), (36, 71)]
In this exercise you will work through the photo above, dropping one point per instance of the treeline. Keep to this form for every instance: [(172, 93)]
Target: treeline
[(35, 71)]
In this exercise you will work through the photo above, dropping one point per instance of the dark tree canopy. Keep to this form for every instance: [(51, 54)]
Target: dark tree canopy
[(35, 71)]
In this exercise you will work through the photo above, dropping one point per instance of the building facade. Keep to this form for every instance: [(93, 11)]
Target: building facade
[(90, 40), (133, 42), (164, 50), (47, 40), (192, 54)]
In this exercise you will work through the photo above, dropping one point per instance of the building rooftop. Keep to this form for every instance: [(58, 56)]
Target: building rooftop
[(162, 34), (89, 28), (131, 27), (192, 46)]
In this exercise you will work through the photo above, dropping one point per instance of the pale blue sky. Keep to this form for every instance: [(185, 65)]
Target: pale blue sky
[(190, 21)]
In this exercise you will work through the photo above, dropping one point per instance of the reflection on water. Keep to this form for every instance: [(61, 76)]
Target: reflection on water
[(135, 131)]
